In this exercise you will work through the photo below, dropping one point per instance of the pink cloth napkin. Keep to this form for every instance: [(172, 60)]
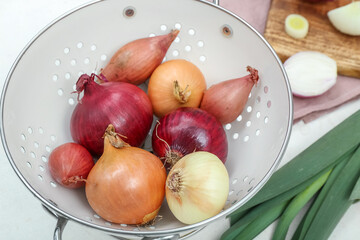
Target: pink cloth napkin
[(255, 12)]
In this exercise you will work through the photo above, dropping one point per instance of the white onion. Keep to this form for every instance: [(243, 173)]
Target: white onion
[(346, 19), (310, 73), (197, 187)]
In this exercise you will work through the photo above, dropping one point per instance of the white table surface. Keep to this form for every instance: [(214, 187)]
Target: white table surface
[(22, 216)]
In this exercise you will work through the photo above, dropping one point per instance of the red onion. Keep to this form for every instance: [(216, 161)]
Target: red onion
[(124, 105), (187, 130), (70, 164)]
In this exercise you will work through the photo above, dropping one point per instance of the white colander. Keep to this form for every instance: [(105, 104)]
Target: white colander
[(220, 43)]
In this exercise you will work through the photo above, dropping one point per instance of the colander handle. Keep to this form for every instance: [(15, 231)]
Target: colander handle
[(61, 222)]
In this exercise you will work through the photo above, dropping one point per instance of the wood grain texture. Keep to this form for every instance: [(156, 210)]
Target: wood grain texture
[(322, 36)]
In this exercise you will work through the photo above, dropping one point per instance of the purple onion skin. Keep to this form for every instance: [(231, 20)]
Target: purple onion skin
[(124, 105), (189, 129)]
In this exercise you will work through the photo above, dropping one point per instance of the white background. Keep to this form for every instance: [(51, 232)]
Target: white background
[(21, 214)]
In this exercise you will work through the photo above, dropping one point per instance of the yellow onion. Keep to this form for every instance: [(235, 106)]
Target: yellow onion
[(197, 187), (127, 184)]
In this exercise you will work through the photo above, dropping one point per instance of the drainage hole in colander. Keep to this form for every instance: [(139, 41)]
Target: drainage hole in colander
[(53, 184), (67, 76), (93, 47), (249, 109), (108, 223), (30, 130), (103, 57), (246, 178), (177, 40), (258, 114), (266, 89), (123, 225), (257, 132), (228, 126), (239, 118), (248, 123), (23, 137), (251, 181), (71, 101), (231, 192), (44, 159), (66, 50), (266, 119), (258, 99), (57, 62), (200, 44), (53, 138), (152, 35), (187, 48), (202, 58), (163, 27), (239, 192), (246, 138), (52, 202), (96, 216), (40, 177), (47, 148), (73, 62), (86, 60), (175, 53), (41, 131), (79, 45), (235, 136), (79, 74), (249, 95), (28, 164), (268, 104), (191, 32), (251, 188), (234, 181), (55, 77), (32, 154), (60, 92), (177, 26), (41, 168), (36, 144)]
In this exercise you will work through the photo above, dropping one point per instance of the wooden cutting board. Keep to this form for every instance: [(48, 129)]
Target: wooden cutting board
[(322, 36)]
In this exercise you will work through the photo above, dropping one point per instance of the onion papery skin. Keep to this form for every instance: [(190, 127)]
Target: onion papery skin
[(126, 185), (197, 187), (186, 130), (136, 60), (69, 164), (124, 105), (175, 83), (227, 99)]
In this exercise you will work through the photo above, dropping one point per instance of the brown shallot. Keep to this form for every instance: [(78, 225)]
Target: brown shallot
[(135, 61), (226, 100)]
